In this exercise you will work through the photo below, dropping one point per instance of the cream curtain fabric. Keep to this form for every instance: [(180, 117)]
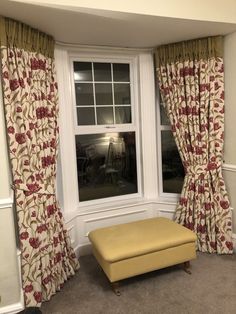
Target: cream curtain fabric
[(191, 81), (31, 110)]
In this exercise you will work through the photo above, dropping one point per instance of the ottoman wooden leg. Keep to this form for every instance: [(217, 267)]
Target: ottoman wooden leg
[(186, 267), (115, 287)]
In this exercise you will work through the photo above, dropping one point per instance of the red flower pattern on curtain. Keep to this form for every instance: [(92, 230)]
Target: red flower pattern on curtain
[(31, 108), (193, 92)]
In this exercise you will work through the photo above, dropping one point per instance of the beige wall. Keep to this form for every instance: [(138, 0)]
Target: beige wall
[(230, 180), (204, 10), (230, 120), (230, 98)]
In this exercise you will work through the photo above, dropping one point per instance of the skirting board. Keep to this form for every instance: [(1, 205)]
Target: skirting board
[(13, 308), (234, 241), (82, 250)]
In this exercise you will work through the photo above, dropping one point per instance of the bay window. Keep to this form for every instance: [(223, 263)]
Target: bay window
[(110, 153)]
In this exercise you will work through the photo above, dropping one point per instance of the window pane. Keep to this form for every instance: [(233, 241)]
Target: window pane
[(102, 71), (84, 94), (172, 169), (103, 94), (164, 118), (83, 71), (122, 94), (121, 72), (105, 115), (106, 165), (85, 116), (123, 114)]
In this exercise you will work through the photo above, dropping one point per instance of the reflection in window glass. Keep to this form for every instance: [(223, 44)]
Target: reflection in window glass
[(172, 168), (102, 72), (83, 71), (106, 165), (105, 115), (84, 94), (85, 116), (122, 94), (123, 114), (121, 72), (103, 94)]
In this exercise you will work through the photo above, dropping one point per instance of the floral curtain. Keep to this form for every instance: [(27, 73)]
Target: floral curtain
[(31, 110), (191, 82)]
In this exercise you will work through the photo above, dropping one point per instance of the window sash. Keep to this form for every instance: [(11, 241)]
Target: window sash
[(97, 129)]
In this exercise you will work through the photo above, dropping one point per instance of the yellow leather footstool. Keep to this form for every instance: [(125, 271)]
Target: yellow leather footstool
[(142, 246)]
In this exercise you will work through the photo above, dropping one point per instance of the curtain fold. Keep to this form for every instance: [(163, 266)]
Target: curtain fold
[(31, 109), (191, 82)]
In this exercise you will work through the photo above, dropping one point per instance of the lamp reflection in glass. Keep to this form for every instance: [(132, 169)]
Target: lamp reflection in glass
[(106, 165), (105, 115)]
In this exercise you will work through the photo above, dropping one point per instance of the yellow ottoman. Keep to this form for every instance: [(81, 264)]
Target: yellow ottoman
[(138, 247)]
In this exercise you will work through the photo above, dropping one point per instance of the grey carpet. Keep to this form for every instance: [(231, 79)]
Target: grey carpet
[(211, 289)]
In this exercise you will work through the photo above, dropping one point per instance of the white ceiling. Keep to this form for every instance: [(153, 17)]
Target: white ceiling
[(108, 28)]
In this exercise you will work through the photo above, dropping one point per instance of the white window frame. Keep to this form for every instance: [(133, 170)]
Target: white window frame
[(97, 129), (63, 57), (128, 127)]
